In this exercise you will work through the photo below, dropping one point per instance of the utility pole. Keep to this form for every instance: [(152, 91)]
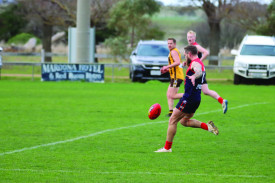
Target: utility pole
[(83, 31)]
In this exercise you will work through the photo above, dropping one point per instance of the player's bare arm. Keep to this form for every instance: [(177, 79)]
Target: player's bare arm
[(185, 62), (176, 59), (197, 68), (204, 52)]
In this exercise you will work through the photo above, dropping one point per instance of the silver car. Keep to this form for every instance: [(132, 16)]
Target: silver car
[(147, 59)]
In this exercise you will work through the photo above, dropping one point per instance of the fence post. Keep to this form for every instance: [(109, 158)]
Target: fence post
[(32, 72), (113, 72), (42, 55), (219, 62)]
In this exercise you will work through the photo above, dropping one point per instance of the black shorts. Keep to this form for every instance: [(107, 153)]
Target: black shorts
[(175, 83), (204, 78), (188, 107)]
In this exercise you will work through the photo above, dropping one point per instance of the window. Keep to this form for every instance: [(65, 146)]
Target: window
[(262, 50), (152, 50)]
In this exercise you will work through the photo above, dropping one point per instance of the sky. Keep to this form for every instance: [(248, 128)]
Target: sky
[(181, 2)]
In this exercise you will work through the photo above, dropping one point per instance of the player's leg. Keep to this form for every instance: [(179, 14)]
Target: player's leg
[(189, 108), (215, 95), (171, 131), (207, 91), (170, 102), (172, 94), (172, 126), (209, 126)]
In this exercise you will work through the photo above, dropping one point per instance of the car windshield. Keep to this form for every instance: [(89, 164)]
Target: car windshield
[(262, 50), (152, 50)]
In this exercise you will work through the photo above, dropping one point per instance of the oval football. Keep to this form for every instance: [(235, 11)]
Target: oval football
[(154, 111)]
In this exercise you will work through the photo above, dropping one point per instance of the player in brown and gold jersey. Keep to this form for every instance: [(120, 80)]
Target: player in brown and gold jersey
[(176, 74)]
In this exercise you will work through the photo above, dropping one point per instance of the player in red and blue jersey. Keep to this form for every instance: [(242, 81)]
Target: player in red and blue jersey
[(190, 101), (202, 54), (192, 89)]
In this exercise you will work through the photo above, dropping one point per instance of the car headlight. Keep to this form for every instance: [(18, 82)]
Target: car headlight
[(135, 61), (272, 66), (240, 65)]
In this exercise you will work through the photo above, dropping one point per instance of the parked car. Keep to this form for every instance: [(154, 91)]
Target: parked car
[(255, 58), (147, 59)]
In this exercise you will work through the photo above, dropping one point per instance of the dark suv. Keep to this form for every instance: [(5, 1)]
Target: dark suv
[(147, 60)]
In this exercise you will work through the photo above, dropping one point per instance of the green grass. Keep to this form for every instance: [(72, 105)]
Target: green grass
[(122, 138)]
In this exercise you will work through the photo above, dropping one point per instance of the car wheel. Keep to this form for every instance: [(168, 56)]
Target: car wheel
[(132, 77), (237, 79)]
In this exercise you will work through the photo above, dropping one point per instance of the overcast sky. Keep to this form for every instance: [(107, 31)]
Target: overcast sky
[(181, 2)]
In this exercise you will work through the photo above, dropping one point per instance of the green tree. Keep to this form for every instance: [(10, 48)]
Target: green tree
[(10, 22), (47, 14), (268, 28), (131, 19)]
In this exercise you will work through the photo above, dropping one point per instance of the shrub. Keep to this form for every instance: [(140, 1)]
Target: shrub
[(22, 38)]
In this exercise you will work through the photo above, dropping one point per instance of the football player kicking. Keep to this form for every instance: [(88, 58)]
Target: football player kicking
[(190, 101)]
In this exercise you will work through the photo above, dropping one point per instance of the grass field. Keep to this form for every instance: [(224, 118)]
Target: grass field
[(88, 132)]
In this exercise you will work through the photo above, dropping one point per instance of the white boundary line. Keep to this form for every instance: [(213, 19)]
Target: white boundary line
[(110, 130), (134, 173)]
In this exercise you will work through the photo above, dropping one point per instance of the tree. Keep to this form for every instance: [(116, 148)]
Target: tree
[(100, 13), (231, 34), (268, 28), (48, 13), (10, 22), (216, 11), (130, 17), (246, 14), (242, 17)]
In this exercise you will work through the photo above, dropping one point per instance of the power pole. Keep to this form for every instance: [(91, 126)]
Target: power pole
[(83, 31)]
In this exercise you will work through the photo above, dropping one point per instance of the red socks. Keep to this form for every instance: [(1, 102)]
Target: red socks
[(168, 145), (220, 100), (204, 126)]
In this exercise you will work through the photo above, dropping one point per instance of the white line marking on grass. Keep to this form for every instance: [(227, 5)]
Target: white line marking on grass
[(78, 138), (111, 130), (134, 173), (237, 107)]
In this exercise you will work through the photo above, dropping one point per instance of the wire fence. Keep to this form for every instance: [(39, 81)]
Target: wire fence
[(113, 71)]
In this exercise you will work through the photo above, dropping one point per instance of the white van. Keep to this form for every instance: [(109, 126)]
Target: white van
[(255, 58)]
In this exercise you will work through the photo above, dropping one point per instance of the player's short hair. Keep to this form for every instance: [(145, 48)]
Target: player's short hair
[(192, 32), (192, 49), (173, 39)]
